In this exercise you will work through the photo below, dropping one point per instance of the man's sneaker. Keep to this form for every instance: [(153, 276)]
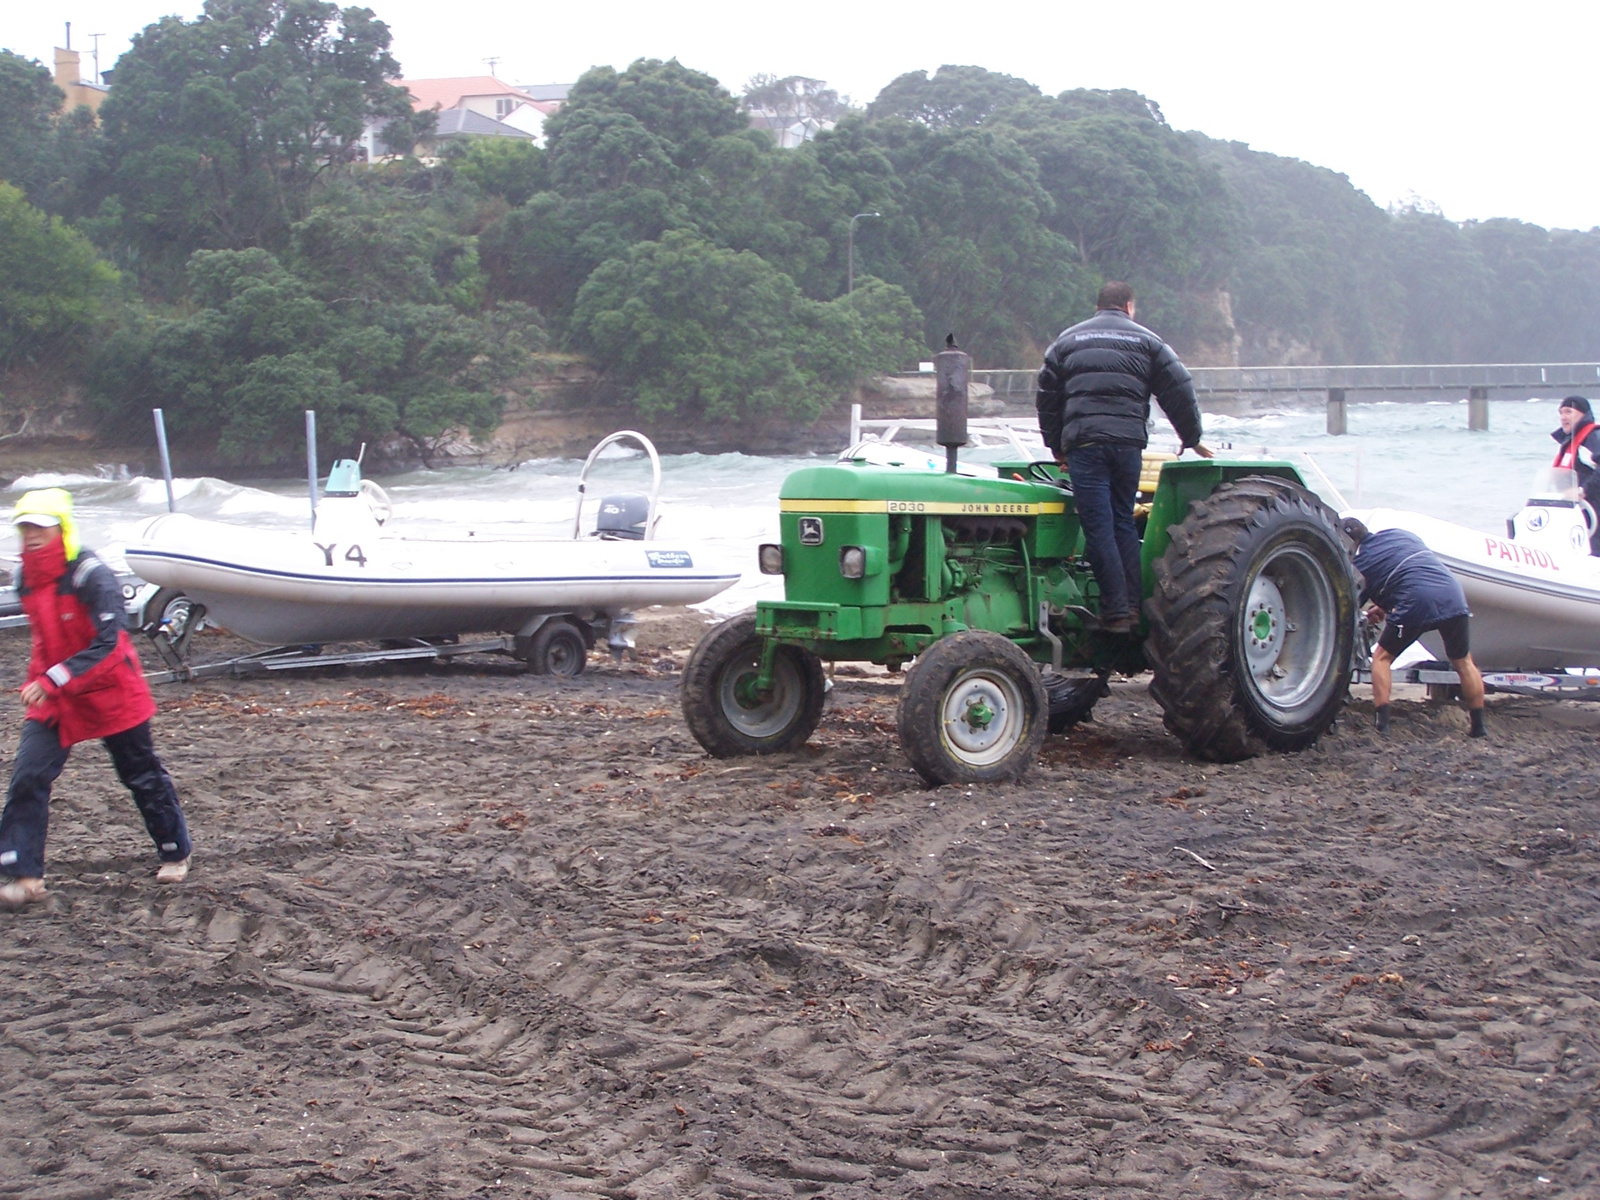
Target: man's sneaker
[(173, 872)]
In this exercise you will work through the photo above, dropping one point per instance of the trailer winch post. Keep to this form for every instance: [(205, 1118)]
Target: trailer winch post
[(166, 458), (311, 461)]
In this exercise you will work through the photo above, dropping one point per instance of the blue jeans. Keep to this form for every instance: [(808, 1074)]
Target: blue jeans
[(40, 758), (1105, 483)]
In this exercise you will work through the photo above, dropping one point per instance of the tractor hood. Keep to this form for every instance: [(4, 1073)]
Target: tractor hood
[(866, 489)]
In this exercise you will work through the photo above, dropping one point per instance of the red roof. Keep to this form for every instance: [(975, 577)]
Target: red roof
[(449, 93)]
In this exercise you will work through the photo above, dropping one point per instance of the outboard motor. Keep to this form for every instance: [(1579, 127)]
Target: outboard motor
[(1556, 518), (623, 518)]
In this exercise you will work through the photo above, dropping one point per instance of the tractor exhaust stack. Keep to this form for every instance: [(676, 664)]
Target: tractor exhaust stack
[(952, 368)]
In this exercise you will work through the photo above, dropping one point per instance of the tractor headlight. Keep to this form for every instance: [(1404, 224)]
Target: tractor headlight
[(771, 559), (853, 562)]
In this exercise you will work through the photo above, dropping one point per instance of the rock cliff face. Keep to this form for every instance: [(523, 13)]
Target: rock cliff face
[(1215, 341)]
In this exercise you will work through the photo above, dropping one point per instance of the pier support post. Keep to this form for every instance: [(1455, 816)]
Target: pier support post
[(1478, 408), (1337, 424)]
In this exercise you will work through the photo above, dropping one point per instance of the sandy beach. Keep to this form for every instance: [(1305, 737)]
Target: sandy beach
[(464, 931)]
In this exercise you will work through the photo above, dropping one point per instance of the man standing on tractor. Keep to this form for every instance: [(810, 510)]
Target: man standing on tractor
[(1094, 413), (1411, 590), (1579, 438)]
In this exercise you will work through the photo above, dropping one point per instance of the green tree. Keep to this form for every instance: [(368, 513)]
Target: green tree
[(987, 267), (220, 129), (618, 149), (506, 167), (701, 331), (954, 98), (50, 154), (1449, 289), (29, 100), (1312, 278), (260, 344), (51, 282), (684, 111)]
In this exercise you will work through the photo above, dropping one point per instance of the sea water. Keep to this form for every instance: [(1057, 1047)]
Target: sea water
[(1414, 455)]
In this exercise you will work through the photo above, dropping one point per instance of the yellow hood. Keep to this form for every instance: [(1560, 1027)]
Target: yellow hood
[(57, 503)]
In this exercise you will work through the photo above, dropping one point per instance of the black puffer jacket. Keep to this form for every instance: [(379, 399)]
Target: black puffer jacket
[(1097, 380)]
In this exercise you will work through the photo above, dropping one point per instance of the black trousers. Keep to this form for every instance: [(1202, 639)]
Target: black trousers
[(1105, 484), (40, 759)]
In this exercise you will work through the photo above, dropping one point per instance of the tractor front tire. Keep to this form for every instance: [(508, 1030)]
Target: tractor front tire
[(973, 710), (1252, 623), (724, 718)]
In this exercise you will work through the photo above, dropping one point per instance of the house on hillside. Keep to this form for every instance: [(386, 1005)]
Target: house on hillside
[(477, 106), (70, 80), (486, 96), (788, 130)]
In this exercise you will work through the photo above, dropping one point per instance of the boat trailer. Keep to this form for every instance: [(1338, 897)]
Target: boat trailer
[(300, 658), (1544, 685), (172, 647)]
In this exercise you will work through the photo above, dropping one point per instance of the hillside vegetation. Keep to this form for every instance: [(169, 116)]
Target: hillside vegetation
[(213, 244)]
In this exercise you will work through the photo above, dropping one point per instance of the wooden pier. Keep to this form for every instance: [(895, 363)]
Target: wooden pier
[(1338, 386)]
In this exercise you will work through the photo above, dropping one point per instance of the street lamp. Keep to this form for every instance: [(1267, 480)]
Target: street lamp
[(850, 269)]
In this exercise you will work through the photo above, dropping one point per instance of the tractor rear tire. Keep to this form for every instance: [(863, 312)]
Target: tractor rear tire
[(1252, 623), (722, 720), (973, 710)]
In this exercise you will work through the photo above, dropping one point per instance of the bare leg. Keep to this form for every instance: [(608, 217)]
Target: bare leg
[(1472, 693), (1382, 678), (1471, 681)]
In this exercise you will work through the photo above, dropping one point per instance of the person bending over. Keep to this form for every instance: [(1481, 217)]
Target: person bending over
[(1094, 412), (1408, 586), (1579, 442), (84, 681)]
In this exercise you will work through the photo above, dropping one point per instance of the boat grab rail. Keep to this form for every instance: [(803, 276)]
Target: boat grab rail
[(655, 482)]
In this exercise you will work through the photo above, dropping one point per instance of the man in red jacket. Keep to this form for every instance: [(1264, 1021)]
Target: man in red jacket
[(84, 681)]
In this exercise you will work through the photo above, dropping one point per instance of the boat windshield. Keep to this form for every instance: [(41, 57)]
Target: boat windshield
[(1555, 483)]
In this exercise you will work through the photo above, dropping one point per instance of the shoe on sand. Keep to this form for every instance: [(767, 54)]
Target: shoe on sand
[(19, 893), (173, 872)]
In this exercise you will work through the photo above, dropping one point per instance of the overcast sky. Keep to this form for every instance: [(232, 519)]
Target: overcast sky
[(1485, 110)]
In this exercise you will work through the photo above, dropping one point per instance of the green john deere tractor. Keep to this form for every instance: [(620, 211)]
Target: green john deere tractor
[(982, 586)]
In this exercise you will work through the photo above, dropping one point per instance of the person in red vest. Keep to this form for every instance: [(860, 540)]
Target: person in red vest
[(84, 681), (1579, 442)]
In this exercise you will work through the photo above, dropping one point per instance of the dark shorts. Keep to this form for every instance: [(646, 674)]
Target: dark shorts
[(1396, 638)]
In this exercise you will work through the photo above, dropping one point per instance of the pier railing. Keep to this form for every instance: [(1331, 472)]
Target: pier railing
[(1335, 383)]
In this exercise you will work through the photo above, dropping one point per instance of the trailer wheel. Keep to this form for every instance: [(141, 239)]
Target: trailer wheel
[(169, 615), (558, 649), (721, 713), (974, 710), (1252, 623)]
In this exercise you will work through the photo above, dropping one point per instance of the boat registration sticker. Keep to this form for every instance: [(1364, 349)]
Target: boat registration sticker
[(669, 558)]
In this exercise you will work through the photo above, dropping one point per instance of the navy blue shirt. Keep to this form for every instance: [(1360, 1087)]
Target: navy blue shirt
[(1407, 580)]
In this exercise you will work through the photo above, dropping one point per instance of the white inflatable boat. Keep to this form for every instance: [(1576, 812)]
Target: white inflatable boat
[(354, 577), (1535, 593)]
